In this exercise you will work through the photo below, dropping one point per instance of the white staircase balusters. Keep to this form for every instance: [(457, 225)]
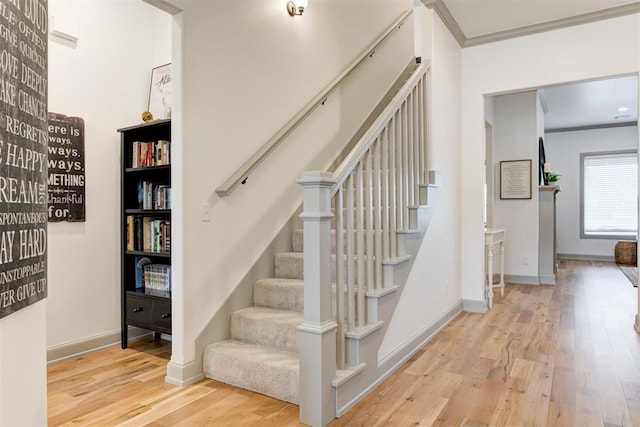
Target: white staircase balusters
[(375, 194)]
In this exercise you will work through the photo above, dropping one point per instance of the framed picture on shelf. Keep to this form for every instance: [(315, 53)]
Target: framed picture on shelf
[(160, 92), (515, 179)]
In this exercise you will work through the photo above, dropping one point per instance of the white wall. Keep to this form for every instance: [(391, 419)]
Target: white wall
[(571, 54), (563, 151), (105, 80), (23, 367), (433, 286), (244, 75), (516, 138)]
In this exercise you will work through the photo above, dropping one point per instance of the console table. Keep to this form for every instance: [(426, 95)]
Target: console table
[(492, 237)]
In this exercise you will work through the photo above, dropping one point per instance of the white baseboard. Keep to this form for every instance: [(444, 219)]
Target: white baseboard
[(522, 280), (582, 257), (182, 375), (547, 280), (75, 349), (474, 306)]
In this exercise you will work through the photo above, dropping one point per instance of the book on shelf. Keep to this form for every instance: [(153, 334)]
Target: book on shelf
[(148, 234), (152, 195), (140, 263), (130, 234), (157, 277), (150, 153)]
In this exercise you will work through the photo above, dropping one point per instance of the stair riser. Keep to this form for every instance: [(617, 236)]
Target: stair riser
[(283, 297), (279, 334), (275, 375), (298, 241), (292, 267)]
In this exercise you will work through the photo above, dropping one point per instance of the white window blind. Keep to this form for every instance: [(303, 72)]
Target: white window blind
[(610, 189)]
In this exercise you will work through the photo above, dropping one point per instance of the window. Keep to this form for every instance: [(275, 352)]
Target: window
[(609, 199)]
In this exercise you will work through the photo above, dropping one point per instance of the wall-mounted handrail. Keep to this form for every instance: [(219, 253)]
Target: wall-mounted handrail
[(241, 175)]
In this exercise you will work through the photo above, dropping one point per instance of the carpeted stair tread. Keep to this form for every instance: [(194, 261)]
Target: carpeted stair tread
[(267, 326), (261, 369), (283, 294)]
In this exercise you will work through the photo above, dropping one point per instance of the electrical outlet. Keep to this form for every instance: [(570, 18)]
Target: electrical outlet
[(206, 212), (446, 287), (525, 260)]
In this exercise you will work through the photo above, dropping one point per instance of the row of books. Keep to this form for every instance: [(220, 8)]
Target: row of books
[(148, 234), (152, 153), (152, 277), (154, 196)]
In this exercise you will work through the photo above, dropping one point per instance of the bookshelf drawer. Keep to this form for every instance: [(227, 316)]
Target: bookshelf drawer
[(139, 310), (162, 315)]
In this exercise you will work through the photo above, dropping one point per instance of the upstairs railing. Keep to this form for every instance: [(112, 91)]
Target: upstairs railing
[(241, 175), (368, 199)]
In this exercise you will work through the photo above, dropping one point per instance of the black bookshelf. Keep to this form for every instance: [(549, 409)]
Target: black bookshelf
[(145, 231)]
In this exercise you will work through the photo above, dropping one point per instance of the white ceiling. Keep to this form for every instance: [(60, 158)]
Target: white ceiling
[(484, 17), (591, 103)]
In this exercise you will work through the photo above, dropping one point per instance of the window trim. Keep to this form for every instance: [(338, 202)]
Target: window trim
[(583, 235)]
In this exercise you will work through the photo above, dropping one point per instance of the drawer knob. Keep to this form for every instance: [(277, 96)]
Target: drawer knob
[(166, 316), (138, 309)]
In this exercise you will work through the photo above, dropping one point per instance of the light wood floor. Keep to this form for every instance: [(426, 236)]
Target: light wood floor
[(543, 356)]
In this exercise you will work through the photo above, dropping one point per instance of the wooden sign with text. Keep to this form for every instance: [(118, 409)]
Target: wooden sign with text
[(66, 195), (23, 153)]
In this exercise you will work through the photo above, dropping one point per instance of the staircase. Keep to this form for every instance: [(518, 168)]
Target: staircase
[(262, 354), (315, 343)]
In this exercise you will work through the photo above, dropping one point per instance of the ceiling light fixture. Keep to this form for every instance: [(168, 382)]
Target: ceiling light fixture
[(297, 7), (623, 109)]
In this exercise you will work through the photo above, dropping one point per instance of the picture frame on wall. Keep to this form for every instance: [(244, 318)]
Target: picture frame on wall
[(515, 179), (160, 92)]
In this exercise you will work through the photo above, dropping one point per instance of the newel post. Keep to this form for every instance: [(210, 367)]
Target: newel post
[(317, 334)]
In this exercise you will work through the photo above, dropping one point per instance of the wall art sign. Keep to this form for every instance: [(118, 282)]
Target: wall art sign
[(23, 154), (515, 179), (160, 92), (66, 191)]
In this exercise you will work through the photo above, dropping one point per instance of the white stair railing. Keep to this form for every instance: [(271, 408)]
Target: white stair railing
[(372, 194), (384, 172)]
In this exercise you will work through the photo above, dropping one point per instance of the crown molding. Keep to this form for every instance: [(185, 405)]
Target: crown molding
[(450, 22), (614, 12)]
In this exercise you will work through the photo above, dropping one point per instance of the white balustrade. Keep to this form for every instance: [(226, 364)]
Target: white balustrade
[(374, 188)]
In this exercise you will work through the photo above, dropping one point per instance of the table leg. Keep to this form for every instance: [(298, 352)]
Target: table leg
[(490, 275), (502, 269)]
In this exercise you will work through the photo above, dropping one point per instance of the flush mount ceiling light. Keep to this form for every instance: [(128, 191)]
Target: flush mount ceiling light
[(297, 7), (623, 109)]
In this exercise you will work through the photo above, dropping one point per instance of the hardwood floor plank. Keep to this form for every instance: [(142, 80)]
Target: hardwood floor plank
[(484, 404), (161, 407)]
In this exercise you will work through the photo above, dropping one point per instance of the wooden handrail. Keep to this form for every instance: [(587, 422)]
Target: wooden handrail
[(241, 175)]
